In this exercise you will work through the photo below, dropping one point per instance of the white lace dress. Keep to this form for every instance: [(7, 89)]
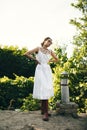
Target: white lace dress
[(43, 86)]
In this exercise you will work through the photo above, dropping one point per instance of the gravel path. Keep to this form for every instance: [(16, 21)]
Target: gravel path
[(14, 120)]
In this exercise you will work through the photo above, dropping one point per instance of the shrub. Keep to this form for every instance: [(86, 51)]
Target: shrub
[(16, 89), (31, 104)]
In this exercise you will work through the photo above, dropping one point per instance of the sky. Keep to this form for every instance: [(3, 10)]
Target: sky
[(26, 23)]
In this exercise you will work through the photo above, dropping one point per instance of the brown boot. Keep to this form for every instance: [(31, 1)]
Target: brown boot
[(45, 118), (42, 107)]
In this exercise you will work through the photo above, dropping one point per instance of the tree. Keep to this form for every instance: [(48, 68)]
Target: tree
[(77, 64)]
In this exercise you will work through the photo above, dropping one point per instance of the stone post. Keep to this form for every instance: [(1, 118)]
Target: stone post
[(65, 107), (64, 88)]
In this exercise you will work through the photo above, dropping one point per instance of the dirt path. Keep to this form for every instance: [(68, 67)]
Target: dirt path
[(14, 120)]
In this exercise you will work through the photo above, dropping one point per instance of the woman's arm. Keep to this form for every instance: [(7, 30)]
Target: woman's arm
[(54, 57), (29, 54)]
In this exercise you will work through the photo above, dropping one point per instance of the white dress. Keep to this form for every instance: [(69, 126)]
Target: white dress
[(43, 86)]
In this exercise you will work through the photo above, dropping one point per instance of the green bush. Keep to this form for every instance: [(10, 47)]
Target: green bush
[(57, 87), (31, 104), (16, 89), (12, 61)]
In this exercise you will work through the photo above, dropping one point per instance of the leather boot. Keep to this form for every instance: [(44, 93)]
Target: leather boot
[(42, 106), (45, 118)]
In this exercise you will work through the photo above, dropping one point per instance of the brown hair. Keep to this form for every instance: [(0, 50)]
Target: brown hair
[(45, 40)]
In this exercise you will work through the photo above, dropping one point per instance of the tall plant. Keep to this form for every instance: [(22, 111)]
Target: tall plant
[(77, 64)]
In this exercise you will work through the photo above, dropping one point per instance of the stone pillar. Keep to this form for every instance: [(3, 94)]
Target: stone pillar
[(65, 107), (64, 88)]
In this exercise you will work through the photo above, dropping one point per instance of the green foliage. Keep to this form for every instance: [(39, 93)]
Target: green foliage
[(81, 5), (62, 58), (12, 61), (31, 104), (78, 90), (77, 69), (57, 70), (14, 89), (76, 66), (57, 87), (62, 55)]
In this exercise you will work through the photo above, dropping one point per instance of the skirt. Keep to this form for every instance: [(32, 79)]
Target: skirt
[(43, 85)]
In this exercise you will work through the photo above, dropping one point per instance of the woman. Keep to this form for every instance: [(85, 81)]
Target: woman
[(43, 87)]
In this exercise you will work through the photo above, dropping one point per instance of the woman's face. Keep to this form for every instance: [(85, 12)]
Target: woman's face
[(48, 42)]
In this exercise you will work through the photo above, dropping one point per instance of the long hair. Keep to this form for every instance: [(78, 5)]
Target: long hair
[(45, 40)]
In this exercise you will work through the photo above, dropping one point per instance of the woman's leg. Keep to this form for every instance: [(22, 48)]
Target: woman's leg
[(42, 106), (45, 102)]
